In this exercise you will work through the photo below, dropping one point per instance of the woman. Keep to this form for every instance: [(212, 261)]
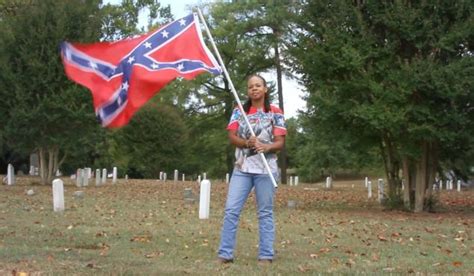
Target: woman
[(268, 124)]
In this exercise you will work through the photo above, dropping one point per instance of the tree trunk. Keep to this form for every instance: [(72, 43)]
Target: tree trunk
[(432, 168), (421, 179), (282, 158), (391, 164), (42, 165), (407, 177)]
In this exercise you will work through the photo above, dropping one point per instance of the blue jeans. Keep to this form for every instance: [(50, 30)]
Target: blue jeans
[(239, 188)]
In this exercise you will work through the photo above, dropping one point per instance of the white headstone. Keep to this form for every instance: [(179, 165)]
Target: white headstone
[(164, 177), (85, 178), (161, 176), (440, 184), (183, 178), (227, 178), (175, 176), (328, 182), (366, 180), (204, 176), (78, 178), (380, 187), (459, 185), (10, 175), (32, 170), (97, 177), (104, 176), (291, 180), (369, 189), (297, 180), (205, 199), (126, 177), (58, 195), (199, 179), (114, 175)]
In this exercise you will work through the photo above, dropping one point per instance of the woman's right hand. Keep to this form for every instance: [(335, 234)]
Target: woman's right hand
[(252, 141)]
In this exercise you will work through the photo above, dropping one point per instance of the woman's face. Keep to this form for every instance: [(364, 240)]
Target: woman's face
[(256, 88)]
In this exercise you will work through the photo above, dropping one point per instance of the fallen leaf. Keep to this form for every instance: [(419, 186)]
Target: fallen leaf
[(457, 264)]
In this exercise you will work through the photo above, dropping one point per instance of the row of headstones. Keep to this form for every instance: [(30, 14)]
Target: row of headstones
[(163, 177), (83, 175), (204, 200), (449, 185), (294, 181), (380, 184)]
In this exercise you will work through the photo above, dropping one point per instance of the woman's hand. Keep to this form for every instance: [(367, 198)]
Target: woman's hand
[(261, 147), (251, 142)]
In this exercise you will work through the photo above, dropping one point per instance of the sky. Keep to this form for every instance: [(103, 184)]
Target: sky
[(292, 91)]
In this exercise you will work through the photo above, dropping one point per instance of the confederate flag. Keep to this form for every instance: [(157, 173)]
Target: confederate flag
[(124, 75)]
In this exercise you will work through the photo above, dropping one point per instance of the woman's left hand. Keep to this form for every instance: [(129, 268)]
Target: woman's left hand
[(261, 147)]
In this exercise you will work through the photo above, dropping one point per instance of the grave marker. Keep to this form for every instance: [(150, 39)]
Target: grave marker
[(227, 178), (97, 177), (380, 188), (78, 178), (85, 178), (10, 175), (104, 176), (58, 195), (369, 189), (297, 180), (328, 182), (204, 200), (114, 175)]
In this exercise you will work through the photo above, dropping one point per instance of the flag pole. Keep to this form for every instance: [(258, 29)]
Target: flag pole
[(234, 92)]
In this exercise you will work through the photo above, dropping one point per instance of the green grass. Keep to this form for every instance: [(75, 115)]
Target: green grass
[(145, 227)]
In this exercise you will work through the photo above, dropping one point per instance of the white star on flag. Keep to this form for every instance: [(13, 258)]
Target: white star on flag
[(154, 65), (125, 86), (93, 65), (147, 44), (180, 67), (131, 59), (182, 22), (165, 33)]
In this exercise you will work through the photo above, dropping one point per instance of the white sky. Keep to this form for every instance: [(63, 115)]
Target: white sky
[(292, 92)]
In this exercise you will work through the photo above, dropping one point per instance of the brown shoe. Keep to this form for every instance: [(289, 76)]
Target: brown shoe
[(224, 261), (265, 261)]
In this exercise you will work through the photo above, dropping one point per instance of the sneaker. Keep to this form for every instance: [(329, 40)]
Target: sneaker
[(265, 261), (224, 261)]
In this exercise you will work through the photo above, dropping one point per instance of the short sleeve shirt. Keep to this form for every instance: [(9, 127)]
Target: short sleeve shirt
[(266, 126)]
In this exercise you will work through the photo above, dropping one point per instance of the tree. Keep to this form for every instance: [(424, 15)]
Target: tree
[(44, 111), (153, 141), (393, 75)]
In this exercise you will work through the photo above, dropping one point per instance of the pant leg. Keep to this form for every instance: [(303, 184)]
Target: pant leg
[(239, 189), (265, 192)]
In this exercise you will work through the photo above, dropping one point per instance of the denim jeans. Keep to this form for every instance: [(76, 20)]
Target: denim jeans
[(239, 188)]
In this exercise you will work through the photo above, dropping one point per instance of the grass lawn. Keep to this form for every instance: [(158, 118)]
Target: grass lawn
[(146, 227)]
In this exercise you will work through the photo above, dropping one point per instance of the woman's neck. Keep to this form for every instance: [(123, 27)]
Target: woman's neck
[(258, 104)]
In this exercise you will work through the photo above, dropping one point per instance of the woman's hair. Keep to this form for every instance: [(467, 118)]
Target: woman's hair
[(248, 103)]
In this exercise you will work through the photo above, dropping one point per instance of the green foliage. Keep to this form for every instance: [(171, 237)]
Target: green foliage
[(153, 141), (390, 75)]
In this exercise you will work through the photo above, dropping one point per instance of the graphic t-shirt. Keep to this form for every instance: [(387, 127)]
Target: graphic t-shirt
[(266, 126)]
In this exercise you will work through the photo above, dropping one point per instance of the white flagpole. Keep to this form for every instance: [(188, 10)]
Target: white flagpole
[(234, 92)]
